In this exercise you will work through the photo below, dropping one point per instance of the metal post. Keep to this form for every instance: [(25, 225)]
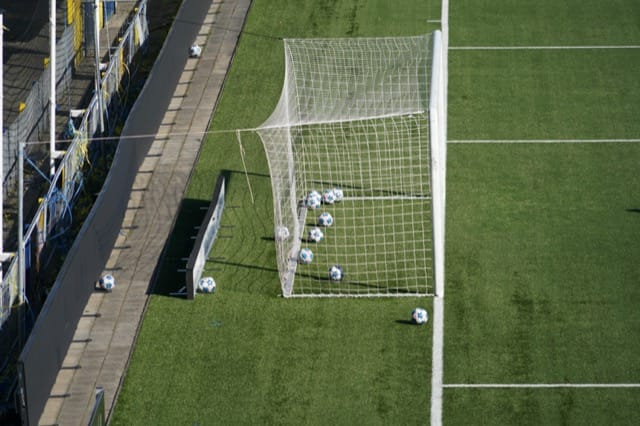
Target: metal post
[(3, 256), (98, 83), (52, 89), (21, 253), (1, 140)]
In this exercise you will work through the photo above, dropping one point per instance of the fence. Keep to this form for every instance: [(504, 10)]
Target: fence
[(67, 180), (32, 122), (207, 234)]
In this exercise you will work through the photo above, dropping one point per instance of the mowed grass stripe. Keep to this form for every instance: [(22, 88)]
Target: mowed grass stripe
[(541, 263), (528, 406), (544, 95), (544, 23)]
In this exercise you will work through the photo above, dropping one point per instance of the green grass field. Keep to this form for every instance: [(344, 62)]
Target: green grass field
[(246, 355), (542, 241)]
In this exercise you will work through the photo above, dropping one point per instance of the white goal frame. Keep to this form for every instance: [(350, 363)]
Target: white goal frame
[(289, 125)]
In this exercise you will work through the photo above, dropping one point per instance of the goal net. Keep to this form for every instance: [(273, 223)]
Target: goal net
[(359, 121)]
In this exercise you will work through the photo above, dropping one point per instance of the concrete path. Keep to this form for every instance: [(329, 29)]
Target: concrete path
[(105, 336)]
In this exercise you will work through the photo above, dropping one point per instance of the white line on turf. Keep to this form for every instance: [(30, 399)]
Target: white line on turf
[(539, 385), (437, 351), (632, 46), (437, 360), (471, 141)]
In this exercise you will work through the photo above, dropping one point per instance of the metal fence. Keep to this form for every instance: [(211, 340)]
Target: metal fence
[(65, 183), (32, 122)]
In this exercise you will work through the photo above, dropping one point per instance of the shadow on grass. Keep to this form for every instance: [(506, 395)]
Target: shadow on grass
[(169, 275), (406, 322), (633, 210)]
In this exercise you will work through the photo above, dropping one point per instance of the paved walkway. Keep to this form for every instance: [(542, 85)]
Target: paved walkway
[(106, 334)]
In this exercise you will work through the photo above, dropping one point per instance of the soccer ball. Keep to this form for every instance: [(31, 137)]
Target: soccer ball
[(306, 256), (328, 197), (315, 235), (282, 233), (338, 194), (336, 273), (206, 285), (107, 282), (195, 51), (419, 316), (313, 200), (313, 194), (325, 219)]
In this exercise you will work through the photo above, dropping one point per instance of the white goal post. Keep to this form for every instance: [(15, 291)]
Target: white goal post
[(366, 116)]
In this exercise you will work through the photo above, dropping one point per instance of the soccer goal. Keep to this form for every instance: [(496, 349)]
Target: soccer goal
[(356, 148)]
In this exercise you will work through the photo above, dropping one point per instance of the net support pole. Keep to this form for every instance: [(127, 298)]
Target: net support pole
[(437, 135)]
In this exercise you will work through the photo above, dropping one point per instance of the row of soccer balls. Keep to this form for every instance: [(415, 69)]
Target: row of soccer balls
[(314, 199), (208, 285), (315, 234)]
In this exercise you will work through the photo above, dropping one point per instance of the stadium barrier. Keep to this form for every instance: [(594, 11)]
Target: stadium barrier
[(207, 234), (67, 180), (65, 302), (47, 345)]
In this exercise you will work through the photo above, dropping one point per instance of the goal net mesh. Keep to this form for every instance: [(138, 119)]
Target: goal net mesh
[(354, 114)]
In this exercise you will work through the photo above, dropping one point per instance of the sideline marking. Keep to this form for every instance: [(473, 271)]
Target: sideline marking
[(437, 361), (631, 46), (540, 385), (471, 141), (437, 351)]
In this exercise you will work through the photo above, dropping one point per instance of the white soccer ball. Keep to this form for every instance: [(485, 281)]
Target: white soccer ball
[(325, 219), (315, 235), (195, 51), (107, 282), (328, 197), (207, 285), (305, 256), (313, 194), (419, 316), (282, 233), (338, 194), (313, 202), (336, 273)]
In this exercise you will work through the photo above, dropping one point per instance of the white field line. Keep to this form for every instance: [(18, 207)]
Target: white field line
[(437, 361), (630, 46), (538, 385), (551, 141), (437, 351)]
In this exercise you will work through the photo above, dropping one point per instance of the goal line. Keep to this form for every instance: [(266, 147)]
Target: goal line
[(539, 141), (537, 385), (389, 197)]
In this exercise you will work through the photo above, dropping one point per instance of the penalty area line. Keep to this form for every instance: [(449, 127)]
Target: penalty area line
[(549, 141), (537, 385), (630, 46)]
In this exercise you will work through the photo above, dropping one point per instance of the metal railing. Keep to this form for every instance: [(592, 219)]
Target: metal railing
[(65, 183)]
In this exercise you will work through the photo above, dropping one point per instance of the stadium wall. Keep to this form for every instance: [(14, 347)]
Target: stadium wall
[(49, 341)]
